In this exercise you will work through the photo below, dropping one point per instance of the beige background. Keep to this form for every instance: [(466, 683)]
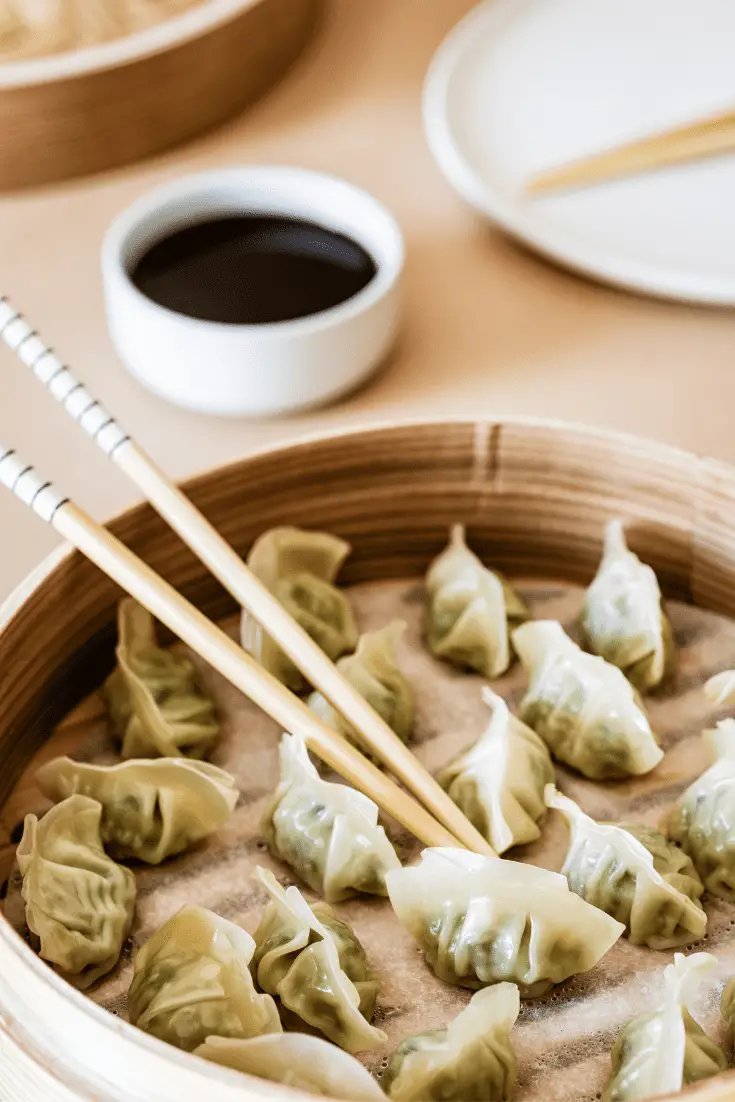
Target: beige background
[(489, 328)]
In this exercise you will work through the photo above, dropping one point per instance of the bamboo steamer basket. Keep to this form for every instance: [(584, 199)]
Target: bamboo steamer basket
[(536, 496), (103, 106)]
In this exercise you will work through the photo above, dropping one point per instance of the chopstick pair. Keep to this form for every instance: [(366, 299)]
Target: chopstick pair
[(446, 825), (705, 138)]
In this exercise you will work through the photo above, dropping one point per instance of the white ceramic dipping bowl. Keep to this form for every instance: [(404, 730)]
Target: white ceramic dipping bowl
[(255, 370)]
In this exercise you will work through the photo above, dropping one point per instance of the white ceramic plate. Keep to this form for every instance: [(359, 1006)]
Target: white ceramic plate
[(523, 85)]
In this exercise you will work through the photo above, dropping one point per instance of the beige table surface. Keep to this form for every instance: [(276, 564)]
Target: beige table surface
[(489, 328)]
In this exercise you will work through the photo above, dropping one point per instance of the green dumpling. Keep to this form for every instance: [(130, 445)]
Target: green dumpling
[(584, 709), (316, 966), (661, 1052), (299, 568), (611, 867), (703, 820), (155, 699), (151, 809), (299, 1061), (192, 980), (622, 617), (471, 1058), (475, 918), (373, 672), (328, 833), (471, 610), (79, 903)]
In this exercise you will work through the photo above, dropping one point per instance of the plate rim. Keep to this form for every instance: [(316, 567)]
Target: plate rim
[(651, 279)]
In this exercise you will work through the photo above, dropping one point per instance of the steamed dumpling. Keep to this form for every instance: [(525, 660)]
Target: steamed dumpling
[(373, 672), (727, 1005), (661, 1052), (328, 833), (472, 1058), (192, 980), (703, 820), (471, 610), (584, 709), (155, 698), (36, 28), (151, 809), (299, 568), (79, 903), (482, 920), (299, 1061), (316, 966), (622, 616), (499, 782), (612, 869)]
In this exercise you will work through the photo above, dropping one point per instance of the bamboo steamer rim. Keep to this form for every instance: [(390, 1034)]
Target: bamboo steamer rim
[(171, 32), (181, 1071)]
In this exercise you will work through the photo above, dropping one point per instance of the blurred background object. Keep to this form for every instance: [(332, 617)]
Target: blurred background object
[(89, 86), (490, 328)]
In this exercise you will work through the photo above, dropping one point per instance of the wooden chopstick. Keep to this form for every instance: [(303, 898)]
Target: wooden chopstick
[(209, 641), (227, 566), (705, 138)]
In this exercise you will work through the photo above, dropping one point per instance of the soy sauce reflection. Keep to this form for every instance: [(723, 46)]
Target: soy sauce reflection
[(253, 269)]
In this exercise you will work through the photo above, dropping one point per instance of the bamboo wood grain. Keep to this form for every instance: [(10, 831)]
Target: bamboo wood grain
[(96, 119), (708, 138), (535, 496), (228, 567)]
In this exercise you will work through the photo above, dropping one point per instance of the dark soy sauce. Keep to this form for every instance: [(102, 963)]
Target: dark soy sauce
[(252, 269)]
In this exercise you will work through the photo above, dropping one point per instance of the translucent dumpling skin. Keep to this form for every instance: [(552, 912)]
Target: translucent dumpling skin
[(192, 979), (727, 1004), (584, 709), (480, 921), (622, 616), (612, 869), (372, 670), (703, 820), (471, 610), (316, 966), (328, 833), (151, 809), (499, 782), (156, 701), (79, 903), (471, 1059), (300, 568), (661, 1052), (299, 1061)]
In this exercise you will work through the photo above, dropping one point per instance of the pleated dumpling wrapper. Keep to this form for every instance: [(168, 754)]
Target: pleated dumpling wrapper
[(482, 920), (297, 1060), (471, 1058), (151, 809), (316, 966), (372, 670), (499, 782), (157, 703), (471, 610), (584, 709), (192, 979), (622, 615), (727, 1005), (703, 820), (662, 1051), (328, 833), (612, 869), (79, 902), (299, 568)]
